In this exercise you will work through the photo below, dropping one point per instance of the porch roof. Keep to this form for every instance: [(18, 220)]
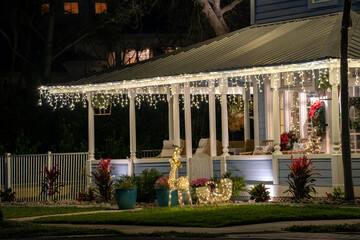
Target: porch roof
[(259, 46)]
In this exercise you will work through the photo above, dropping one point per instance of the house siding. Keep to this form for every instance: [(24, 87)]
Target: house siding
[(274, 10)]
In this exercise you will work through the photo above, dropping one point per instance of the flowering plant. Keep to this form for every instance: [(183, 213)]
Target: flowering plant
[(317, 116), (103, 180), (288, 140), (200, 182), (162, 183)]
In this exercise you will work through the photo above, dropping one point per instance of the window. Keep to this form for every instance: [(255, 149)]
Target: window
[(132, 56), (45, 8), (71, 8), (354, 92), (321, 3), (100, 7)]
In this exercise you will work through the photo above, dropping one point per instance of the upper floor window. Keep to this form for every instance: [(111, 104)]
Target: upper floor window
[(45, 8), (321, 3), (132, 56), (71, 8), (100, 7)]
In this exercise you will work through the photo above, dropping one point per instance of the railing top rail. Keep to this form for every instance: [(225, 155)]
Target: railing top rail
[(74, 153), (29, 155)]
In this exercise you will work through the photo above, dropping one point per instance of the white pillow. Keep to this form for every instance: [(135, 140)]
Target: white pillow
[(260, 149), (199, 150), (168, 144), (299, 146), (203, 142)]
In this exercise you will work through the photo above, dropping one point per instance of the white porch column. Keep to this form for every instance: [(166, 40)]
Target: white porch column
[(132, 123), (188, 134), (212, 118), (224, 118), (256, 112), (276, 122), (176, 115), (268, 109), (246, 114), (303, 115), (335, 122), (287, 112), (91, 129), (170, 107)]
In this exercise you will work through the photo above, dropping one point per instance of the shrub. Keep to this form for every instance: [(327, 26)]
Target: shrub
[(259, 193), (145, 185), (162, 183), (50, 183), (7, 195), (103, 180), (301, 178), (86, 196), (238, 182), (125, 182), (336, 194)]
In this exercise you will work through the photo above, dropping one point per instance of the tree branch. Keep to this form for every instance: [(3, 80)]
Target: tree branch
[(13, 49), (230, 6), (74, 42)]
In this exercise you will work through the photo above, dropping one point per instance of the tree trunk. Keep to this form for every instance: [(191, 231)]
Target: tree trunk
[(345, 131)]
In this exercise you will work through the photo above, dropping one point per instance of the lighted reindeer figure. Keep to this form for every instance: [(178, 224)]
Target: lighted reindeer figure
[(181, 183)]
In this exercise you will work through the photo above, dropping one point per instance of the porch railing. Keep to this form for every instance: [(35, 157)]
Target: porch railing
[(22, 174)]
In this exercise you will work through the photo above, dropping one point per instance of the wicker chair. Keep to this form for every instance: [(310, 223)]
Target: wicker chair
[(269, 143)]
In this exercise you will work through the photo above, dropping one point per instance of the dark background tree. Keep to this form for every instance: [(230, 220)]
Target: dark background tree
[(345, 130)]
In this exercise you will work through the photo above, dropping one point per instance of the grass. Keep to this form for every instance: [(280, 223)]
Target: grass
[(9, 229), (21, 211), (212, 216), (325, 228)]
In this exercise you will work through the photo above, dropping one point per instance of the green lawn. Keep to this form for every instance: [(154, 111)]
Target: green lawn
[(21, 211), (212, 216)]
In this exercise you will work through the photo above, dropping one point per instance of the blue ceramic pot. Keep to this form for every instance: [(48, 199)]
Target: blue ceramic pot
[(126, 198), (162, 196)]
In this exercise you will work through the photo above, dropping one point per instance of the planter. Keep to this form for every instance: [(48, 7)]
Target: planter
[(126, 198), (162, 196)]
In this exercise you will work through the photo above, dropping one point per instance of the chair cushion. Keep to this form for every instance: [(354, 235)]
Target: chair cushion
[(260, 149), (168, 144), (167, 152), (299, 147), (203, 142)]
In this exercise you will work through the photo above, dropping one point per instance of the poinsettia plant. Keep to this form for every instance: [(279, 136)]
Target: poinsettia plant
[(162, 183), (317, 116), (287, 140)]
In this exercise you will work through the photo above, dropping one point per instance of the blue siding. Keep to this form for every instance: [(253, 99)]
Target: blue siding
[(216, 168), (356, 171), (118, 169), (253, 170), (323, 165), (278, 10), (163, 168)]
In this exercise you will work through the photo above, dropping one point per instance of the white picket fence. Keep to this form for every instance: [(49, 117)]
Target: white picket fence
[(22, 173)]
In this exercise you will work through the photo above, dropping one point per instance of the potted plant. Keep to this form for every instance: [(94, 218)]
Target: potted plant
[(125, 192), (162, 193)]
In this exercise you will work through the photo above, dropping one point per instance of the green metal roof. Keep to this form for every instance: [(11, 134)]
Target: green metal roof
[(286, 42)]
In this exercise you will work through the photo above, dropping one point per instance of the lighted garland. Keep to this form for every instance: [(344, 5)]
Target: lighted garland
[(317, 116)]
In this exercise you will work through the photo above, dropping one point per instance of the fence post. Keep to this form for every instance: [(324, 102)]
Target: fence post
[(49, 167), (88, 172), (8, 172)]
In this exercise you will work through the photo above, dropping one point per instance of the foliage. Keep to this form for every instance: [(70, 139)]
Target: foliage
[(86, 196), (323, 85), (103, 180), (200, 182), (145, 185), (336, 194), (238, 182), (125, 182), (162, 183), (288, 140), (355, 123), (102, 101), (333, 228), (259, 193), (220, 216), (7, 195), (301, 178), (317, 116), (50, 183)]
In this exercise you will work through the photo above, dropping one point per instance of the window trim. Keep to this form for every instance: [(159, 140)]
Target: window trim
[(324, 3)]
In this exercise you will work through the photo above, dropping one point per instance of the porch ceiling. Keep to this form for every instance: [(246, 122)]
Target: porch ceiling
[(258, 46)]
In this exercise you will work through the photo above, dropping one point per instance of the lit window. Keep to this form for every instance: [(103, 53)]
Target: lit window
[(321, 3), (71, 8), (45, 8), (130, 56), (100, 7)]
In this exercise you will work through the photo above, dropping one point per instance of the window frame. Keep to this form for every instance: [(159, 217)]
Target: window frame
[(67, 12)]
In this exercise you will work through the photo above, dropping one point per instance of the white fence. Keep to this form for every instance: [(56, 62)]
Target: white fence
[(22, 174)]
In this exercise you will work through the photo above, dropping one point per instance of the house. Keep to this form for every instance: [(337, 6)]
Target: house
[(278, 62)]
